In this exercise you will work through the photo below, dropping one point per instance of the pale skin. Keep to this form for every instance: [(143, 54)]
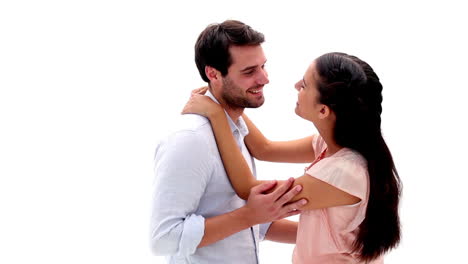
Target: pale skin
[(267, 201), (319, 194)]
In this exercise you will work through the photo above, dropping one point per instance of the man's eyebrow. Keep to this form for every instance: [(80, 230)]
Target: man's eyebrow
[(251, 67), (248, 68)]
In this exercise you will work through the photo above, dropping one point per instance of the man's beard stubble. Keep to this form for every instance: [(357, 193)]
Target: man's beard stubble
[(232, 96)]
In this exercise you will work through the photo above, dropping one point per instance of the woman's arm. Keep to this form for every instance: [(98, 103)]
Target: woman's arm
[(282, 231), (320, 194), (294, 151), (236, 167)]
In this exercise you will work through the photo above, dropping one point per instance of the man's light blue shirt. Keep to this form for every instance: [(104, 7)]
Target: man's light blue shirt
[(191, 185)]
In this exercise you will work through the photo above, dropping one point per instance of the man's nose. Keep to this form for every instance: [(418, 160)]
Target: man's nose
[(263, 78)]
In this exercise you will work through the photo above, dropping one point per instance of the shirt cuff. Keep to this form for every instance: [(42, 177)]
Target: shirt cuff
[(192, 234), (263, 230)]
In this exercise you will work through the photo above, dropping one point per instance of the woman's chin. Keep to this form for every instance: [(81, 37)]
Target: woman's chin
[(297, 112)]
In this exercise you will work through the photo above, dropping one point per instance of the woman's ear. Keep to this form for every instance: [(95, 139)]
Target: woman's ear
[(324, 111)]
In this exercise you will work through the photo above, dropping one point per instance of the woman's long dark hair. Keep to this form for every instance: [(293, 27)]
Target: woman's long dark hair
[(351, 88)]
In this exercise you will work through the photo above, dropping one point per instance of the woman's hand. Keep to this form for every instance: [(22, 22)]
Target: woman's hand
[(201, 104)]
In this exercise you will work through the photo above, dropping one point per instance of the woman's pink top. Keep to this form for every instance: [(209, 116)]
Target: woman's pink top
[(327, 235)]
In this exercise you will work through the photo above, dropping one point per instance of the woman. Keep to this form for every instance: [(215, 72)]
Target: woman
[(352, 186)]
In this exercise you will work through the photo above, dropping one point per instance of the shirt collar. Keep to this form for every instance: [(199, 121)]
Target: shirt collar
[(240, 126)]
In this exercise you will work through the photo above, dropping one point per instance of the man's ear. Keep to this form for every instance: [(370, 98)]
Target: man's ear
[(212, 73)]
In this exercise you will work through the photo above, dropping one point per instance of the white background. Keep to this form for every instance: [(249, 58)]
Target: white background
[(88, 88)]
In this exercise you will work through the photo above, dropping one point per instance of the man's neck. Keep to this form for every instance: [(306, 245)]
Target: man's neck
[(233, 112)]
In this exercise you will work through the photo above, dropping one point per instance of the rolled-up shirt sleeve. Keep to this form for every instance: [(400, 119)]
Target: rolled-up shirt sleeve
[(183, 167)]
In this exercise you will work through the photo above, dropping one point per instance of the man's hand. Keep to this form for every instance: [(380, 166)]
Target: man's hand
[(273, 206), (260, 208)]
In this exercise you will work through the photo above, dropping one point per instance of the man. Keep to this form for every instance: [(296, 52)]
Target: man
[(196, 215)]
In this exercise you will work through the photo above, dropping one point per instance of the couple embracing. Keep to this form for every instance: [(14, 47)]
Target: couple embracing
[(208, 206)]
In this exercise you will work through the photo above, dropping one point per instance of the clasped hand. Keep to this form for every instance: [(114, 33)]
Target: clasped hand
[(275, 205)]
